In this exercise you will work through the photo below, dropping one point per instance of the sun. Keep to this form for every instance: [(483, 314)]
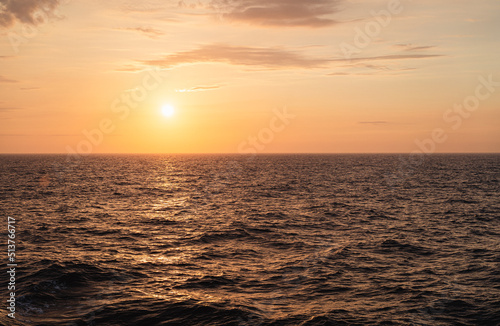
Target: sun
[(167, 110)]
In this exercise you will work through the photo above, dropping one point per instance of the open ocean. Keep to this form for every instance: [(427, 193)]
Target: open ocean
[(269, 240)]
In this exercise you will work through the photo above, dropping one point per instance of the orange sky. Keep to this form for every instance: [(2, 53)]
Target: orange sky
[(249, 76)]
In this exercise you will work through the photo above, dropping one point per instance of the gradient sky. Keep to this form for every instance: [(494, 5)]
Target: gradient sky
[(226, 66)]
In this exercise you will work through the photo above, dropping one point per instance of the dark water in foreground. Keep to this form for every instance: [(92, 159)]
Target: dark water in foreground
[(278, 240)]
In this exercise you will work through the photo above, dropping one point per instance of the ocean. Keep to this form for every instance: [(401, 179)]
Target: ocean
[(375, 239)]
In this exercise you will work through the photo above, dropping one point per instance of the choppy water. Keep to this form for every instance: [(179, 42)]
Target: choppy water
[(276, 240)]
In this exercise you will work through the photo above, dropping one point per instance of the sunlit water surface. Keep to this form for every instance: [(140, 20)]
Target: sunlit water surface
[(268, 240)]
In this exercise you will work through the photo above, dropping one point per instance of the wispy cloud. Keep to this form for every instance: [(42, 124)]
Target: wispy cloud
[(197, 89), (345, 73), (146, 31), (133, 6), (8, 109), (39, 135), (389, 57), (278, 13), (7, 80), (29, 88), (369, 69), (272, 58), (378, 122), (365, 66), (411, 47), (372, 66), (268, 58), (24, 11)]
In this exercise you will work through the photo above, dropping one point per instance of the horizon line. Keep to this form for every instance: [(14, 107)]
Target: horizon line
[(245, 154)]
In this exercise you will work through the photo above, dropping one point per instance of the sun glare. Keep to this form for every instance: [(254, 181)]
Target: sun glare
[(168, 110)]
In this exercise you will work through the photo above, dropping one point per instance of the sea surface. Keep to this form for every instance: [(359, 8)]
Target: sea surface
[(253, 240)]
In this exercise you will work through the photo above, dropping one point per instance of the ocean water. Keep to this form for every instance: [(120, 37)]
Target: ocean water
[(265, 240)]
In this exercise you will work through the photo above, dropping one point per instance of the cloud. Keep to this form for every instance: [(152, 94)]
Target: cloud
[(28, 88), (129, 68), (373, 122), (372, 66), (368, 69), (411, 47), (269, 58), (8, 109), (390, 57), (273, 13), (150, 6), (7, 112), (25, 11), (363, 66), (272, 58), (197, 89), (39, 135), (7, 80), (147, 31), (344, 73)]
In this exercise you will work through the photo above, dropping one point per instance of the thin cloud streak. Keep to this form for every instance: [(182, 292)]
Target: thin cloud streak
[(371, 70), (373, 122), (8, 109), (39, 135), (272, 58), (146, 31), (197, 89), (410, 47), (7, 80), (390, 57), (29, 88), (278, 13)]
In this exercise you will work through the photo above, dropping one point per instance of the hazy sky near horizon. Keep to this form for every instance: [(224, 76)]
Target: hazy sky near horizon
[(357, 76)]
